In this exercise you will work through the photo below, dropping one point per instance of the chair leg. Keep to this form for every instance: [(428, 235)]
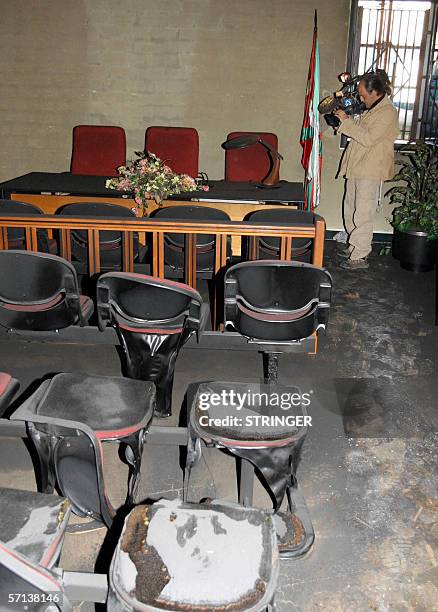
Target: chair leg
[(246, 482), (270, 367), (43, 445), (133, 455)]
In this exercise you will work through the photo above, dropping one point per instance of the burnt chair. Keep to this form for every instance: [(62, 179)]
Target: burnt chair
[(110, 242), (8, 388), (215, 556), (98, 150), (276, 304), (268, 247), (69, 417), (39, 292), (177, 146), (32, 529), (264, 427), (17, 235), (252, 163), (174, 244), (153, 319)]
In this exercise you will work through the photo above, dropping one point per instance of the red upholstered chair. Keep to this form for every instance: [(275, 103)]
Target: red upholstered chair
[(178, 146), (98, 150), (251, 163)]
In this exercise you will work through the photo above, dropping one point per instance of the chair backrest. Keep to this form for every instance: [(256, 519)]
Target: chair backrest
[(110, 242), (98, 150), (174, 254), (251, 163), (38, 291), (16, 235), (277, 300), (137, 302), (270, 246), (190, 213), (153, 319), (177, 146)]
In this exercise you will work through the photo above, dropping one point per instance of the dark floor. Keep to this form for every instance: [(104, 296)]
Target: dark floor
[(369, 465)]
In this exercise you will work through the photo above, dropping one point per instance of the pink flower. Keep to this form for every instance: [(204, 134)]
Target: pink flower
[(135, 211), (187, 181), (138, 200), (205, 188), (124, 185)]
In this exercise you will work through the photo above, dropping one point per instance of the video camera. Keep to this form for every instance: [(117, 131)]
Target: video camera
[(347, 98)]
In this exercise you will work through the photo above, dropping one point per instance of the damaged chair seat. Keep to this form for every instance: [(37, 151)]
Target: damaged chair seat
[(198, 557), (40, 292), (69, 417), (153, 319), (250, 421), (276, 303), (32, 529), (8, 388)]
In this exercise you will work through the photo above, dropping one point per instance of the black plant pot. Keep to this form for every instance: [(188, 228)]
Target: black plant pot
[(395, 250), (415, 252)]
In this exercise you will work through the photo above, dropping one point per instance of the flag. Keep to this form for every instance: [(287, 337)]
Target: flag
[(310, 138)]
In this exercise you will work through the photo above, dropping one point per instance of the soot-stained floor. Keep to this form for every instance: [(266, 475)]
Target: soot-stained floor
[(369, 464)]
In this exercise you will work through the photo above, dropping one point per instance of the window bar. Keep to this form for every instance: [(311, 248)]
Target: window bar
[(408, 89), (431, 114), (397, 55), (420, 79), (402, 81), (369, 13), (390, 16)]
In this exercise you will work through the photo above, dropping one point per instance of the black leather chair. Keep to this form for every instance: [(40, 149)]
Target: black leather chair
[(110, 242), (17, 235), (276, 303), (268, 247), (39, 292), (205, 243), (153, 319), (213, 556), (69, 417), (32, 529), (8, 388)]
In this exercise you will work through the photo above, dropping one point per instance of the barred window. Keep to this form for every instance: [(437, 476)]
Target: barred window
[(400, 36)]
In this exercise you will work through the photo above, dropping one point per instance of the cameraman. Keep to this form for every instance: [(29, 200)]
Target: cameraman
[(367, 161)]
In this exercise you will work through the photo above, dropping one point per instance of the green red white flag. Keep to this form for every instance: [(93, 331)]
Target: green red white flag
[(310, 138)]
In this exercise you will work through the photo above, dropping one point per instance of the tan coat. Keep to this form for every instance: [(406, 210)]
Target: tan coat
[(370, 153)]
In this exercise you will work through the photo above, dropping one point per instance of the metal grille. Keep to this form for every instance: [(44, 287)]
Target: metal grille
[(395, 36), (429, 120)]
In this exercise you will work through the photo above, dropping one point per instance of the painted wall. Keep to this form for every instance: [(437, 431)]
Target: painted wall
[(217, 65)]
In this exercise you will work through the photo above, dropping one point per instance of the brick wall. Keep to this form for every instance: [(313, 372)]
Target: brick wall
[(217, 65)]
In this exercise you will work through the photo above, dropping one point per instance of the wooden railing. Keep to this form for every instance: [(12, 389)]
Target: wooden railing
[(157, 229)]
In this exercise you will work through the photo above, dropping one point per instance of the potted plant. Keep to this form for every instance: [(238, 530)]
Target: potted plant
[(415, 216), (149, 178)]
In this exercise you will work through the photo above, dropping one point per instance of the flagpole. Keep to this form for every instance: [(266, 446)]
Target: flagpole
[(310, 138)]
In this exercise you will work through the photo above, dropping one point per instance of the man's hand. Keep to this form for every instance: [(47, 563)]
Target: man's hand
[(340, 114)]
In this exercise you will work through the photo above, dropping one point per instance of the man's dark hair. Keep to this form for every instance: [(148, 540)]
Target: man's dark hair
[(377, 81)]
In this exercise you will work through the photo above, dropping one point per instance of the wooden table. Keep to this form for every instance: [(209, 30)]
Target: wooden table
[(51, 191)]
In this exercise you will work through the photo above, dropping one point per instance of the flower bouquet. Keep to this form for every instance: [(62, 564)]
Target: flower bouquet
[(150, 178)]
